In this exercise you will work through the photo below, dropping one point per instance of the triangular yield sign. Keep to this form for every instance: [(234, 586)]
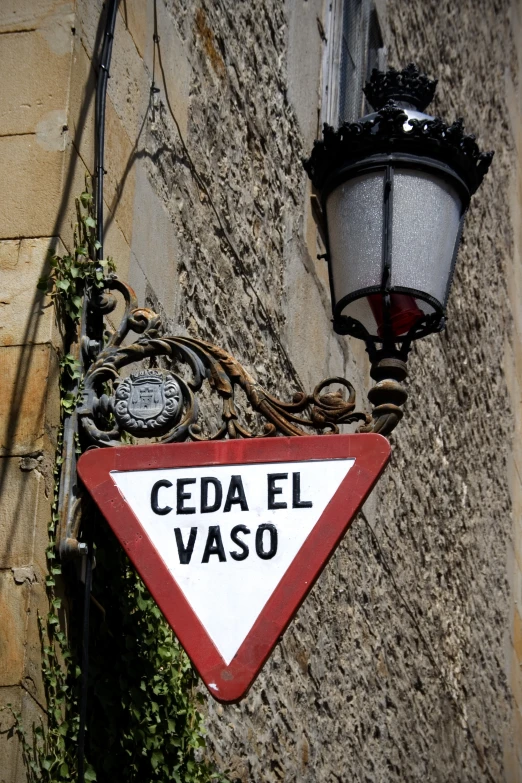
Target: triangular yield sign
[(230, 536)]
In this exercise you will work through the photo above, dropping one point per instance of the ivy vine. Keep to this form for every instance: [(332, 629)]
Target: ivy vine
[(143, 721), (143, 701), (74, 274)]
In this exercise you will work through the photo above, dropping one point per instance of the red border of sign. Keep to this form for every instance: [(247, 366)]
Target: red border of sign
[(231, 683)]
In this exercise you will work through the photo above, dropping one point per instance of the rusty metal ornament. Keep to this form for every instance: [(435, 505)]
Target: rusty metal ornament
[(162, 404)]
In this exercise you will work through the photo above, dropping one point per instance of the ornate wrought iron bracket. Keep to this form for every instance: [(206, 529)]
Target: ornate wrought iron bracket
[(121, 404)]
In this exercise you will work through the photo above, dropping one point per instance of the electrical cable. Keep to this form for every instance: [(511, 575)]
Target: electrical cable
[(85, 664), (101, 98)]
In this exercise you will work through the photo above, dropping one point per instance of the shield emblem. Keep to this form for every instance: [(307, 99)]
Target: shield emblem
[(147, 398), (147, 403)]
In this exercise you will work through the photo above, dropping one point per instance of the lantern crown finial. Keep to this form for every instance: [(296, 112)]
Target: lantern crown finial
[(409, 86)]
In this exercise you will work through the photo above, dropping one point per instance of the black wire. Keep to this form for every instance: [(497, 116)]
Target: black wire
[(101, 97), (85, 664)]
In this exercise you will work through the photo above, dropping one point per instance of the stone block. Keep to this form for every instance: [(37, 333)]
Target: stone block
[(116, 245), (81, 104), (309, 338), (29, 404), (117, 248), (138, 18), (30, 14), (31, 187), (129, 85), (74, 178), (174, 78), (25, 511), (119, 182), (87, 17), (154, 243), (138, 280), (119, 152), (515, 679), (26, 314), (22, 600), (27, 100), (517, 634), (16, 703), (304, 64), (37, 606), (14, 600)]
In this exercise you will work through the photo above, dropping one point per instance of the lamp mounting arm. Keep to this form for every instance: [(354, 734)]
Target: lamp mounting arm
[(388, 394)]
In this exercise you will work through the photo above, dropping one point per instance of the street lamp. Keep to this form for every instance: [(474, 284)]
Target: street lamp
[(394, 188)]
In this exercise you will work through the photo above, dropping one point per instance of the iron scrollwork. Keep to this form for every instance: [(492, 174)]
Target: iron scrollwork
[(160, 403)]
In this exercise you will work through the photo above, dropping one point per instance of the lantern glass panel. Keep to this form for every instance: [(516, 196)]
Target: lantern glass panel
[(355, 233), (425, 225), (404, 311)]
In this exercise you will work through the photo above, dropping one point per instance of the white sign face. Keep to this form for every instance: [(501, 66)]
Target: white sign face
[(228, 533)]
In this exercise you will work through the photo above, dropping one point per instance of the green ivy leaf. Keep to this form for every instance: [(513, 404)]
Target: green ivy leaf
[(89, 773)]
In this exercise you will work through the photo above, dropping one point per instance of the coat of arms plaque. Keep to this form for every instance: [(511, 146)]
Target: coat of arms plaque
[(147, 402)]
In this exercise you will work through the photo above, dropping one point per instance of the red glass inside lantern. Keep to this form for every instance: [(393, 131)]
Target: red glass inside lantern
[(403, 313)]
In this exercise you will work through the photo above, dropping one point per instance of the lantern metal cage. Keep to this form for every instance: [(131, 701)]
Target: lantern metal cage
[(394, 187)]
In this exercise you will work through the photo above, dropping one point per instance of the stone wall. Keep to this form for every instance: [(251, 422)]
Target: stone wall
[(34, 37), (404, 662)]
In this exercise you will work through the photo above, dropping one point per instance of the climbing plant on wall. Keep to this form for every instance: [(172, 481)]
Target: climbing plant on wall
[(143, 721)]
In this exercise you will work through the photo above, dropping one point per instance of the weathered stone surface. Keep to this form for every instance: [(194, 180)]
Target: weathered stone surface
[(26, 100), (154, 245), (24, 513), (26, 314), (29, 404), (13, 602), (173, 69), (304, 55), (20, 642), (394, 669), (129, 85), (27, 14), (16, 701), (81, 103), (31, 186)]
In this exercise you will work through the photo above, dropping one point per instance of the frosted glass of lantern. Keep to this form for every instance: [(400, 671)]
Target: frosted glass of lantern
[(427, 213), (354, 213), (424, 219)]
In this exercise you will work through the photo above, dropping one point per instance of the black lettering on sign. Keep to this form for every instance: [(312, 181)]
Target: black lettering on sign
[(233, 535), (182, 496), (185, 552), (206, 507), (268, 554), (154, 497), (235, 494), (273, 490), (214, 545), (296, 493)]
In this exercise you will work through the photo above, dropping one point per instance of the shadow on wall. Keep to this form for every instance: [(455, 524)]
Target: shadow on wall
[(21, 386), (26, 371)]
